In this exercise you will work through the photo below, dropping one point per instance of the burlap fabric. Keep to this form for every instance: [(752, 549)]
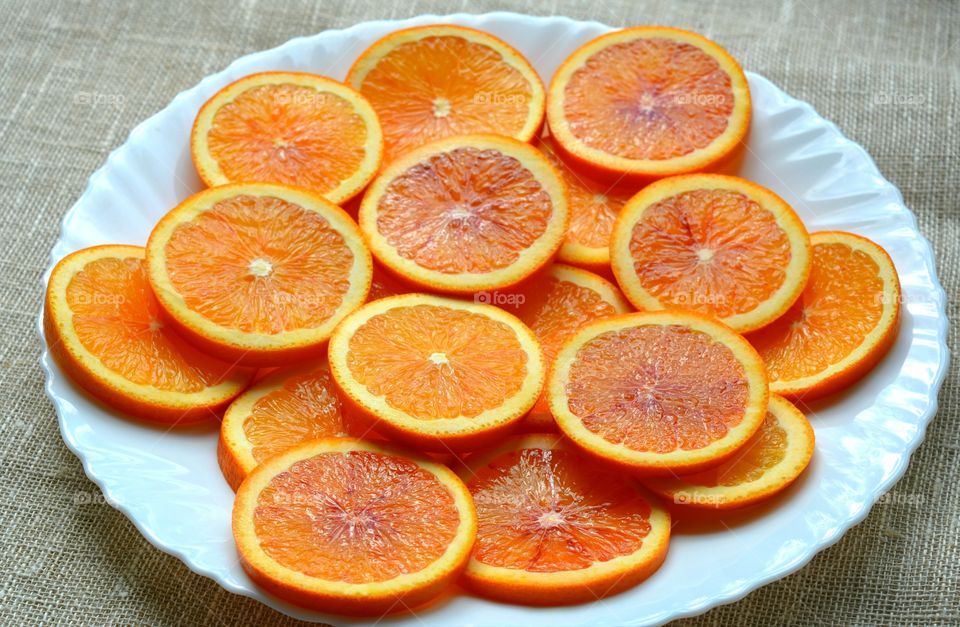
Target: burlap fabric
[(75, 77)]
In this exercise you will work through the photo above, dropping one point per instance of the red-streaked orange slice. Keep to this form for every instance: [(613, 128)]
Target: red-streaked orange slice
[(467, 213), (289, 128), (658, 392), (845, 320), (648, 102), (719, 245), (555, 528), (431, 82), (104, 328), (437, 372), (258, 273), (346, 526), (769, 462)]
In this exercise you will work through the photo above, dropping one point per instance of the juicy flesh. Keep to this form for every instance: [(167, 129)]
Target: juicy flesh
[(437, 87), (464, 210), (355, 517), (841, 304), (434, 362), (117, 318), (763, 451), (648, 99), (657, 388), (593, 207), (259, 264), (547, 511), (710, 250), (306, 407), (289, 134)]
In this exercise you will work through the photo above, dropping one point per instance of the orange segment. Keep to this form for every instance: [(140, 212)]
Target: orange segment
[(555, 528), (432, 82), (437, 372), (594, 207), (103, 326), (258, 273), (288, 407), (769, 462), (554, 306), (346, 526), (844, 321), (658, 392), (715, 244), (467, 213), (650, 102), (289, 128)]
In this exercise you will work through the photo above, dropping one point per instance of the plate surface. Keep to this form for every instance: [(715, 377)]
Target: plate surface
[(169, 485)]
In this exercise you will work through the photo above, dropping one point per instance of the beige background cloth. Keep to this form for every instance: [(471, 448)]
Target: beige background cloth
[(75, 77)]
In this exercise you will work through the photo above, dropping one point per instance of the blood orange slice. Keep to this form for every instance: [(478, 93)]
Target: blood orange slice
[(104, 328), (555, 528), (287, 407), (258, 273), (659, 392), (431, 82), (289, 128), (648, 102), (715, 244), (554, 305), (437, 372), (468, 213), (769, 462), (346, 526), (845, 320)]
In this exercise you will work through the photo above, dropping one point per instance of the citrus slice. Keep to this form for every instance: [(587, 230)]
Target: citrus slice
[(287, 407), (845, 320), (769, 462), (594, 207), (431, 82), (467, 213), (555, 528), (289, 128), (658, 392), (103, 327), (256, 273), (346, 526), (648, 102), (437, 372), (554, 306), (710, 243)]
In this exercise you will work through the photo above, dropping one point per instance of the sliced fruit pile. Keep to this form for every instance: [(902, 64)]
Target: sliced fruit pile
[(432, 312)]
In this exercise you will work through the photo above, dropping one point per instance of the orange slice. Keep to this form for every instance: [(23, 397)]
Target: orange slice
[(715, 244), (845, 320), (468, 213), (103, 327), (287, 407), (648, 102), (431, 82), (769, 462), (346, 526), (658, 392), (594, 207), (554, 306), (256, 273), (555, 528), (289, 128), (437, 372)]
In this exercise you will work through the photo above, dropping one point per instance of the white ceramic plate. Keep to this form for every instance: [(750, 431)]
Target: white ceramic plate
[(169, 485)]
